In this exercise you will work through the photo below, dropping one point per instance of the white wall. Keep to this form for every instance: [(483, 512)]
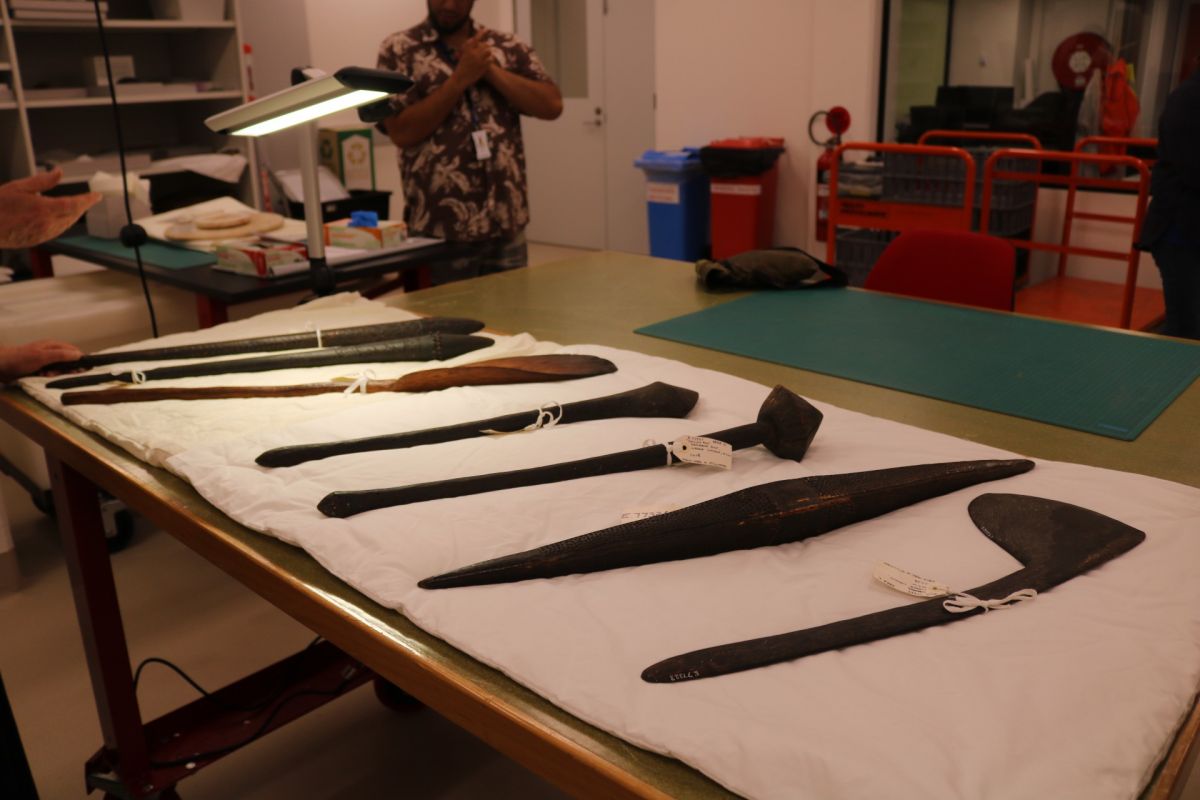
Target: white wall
[(761, 69), (341, 38), (983, 42)]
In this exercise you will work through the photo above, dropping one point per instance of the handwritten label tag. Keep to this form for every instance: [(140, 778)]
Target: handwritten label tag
[(906, 582), (633, 515), (704, 451)]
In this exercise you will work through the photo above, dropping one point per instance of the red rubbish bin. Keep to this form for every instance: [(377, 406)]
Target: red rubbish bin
[(744, 177)]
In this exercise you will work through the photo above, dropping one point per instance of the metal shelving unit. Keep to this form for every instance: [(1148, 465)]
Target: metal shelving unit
[(46, 53)]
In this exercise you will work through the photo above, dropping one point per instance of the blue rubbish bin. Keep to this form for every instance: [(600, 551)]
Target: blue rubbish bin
[(676, 203)]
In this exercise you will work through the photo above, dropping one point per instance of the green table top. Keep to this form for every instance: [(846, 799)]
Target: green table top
[(603, 297)]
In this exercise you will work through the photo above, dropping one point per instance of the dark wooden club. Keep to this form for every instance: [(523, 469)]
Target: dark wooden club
[(330, 337), (786, 425), (654, 400), (1054, 541), (430, 347), (769, 514)]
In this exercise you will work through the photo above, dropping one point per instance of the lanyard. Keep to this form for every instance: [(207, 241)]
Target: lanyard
[(469, 95)]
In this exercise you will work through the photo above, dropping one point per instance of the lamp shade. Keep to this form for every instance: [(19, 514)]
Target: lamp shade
[(349, 87)]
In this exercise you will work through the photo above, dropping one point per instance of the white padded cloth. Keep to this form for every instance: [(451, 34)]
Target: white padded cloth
[(1075, 694)]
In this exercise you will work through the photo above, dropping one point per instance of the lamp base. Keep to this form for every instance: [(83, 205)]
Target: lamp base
[(321, 277)]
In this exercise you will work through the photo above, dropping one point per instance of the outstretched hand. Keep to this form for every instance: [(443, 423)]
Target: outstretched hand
[(26, 359), (27, 217)]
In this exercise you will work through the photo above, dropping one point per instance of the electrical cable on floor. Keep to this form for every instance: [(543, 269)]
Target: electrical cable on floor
[(278, 699), (137, 676), (262, 729), (132, 235)]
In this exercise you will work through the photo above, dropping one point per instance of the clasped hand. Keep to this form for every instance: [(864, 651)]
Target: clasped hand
[(474, 59)]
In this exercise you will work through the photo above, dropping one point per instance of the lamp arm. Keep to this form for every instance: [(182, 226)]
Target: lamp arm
[(323, 280)]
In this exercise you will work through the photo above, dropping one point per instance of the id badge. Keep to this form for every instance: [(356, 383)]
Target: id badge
[(483, 147)]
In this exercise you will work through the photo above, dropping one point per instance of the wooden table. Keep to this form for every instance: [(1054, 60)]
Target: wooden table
[(216, 290), (598, 299)]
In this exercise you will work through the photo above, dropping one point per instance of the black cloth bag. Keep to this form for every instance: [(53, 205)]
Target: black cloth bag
[(776, 268)]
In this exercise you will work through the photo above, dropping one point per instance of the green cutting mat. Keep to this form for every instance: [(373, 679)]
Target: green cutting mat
[(1092, 380), (160, 255)]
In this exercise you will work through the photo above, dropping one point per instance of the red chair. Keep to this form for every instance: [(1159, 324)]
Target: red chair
[(955, 266)]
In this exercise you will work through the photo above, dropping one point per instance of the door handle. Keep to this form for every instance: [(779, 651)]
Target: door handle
[(597, 120)]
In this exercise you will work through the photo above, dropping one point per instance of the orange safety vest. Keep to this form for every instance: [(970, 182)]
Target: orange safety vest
[(1119, 107)]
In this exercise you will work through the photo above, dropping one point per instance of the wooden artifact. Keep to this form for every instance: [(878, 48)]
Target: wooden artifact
[(770, 514), (655, 400), (1054, 542), (517, 369), (430, 347), (786, 425)]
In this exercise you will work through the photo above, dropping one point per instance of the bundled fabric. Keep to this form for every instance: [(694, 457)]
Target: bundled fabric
[(777, 268)]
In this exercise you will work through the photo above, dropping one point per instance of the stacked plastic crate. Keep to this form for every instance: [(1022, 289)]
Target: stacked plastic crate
[(941, 181), (858, 248)]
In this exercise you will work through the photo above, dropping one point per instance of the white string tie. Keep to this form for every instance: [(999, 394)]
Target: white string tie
[(964, 602), (312, 326), (360, 383), (546, 418), (667, 447), (135, 375)]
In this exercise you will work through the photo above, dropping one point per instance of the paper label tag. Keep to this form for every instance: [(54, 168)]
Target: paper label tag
[(633, 515), (666, 193), (483, 147), (906, 582), (743, 189), (704, 451)]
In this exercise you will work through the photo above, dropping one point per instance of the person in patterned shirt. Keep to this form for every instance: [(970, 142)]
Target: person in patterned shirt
[(458, 130)]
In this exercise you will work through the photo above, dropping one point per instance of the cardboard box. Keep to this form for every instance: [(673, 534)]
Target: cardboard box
[(348, 152), (122, 69), (387, 234), (262, 260)]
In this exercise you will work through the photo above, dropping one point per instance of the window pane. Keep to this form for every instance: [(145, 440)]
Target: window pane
[(1026, 65), (560, 39)]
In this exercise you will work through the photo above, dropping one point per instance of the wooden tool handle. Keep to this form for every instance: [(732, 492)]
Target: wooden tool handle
[(518, 369)]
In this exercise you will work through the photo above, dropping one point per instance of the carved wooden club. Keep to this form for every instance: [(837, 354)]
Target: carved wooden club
[(786, 425), (769, 514), (654, 400), (1054, 541)]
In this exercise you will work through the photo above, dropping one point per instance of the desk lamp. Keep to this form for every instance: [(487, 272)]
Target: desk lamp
[(314, 95)]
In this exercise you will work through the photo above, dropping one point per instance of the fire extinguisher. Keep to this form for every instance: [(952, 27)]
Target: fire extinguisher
[(837, 120)]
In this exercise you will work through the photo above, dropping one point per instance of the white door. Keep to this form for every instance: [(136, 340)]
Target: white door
[(565, 157), (583, 188)]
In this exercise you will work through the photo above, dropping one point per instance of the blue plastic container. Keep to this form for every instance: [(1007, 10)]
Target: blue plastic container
[(676, 203)]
